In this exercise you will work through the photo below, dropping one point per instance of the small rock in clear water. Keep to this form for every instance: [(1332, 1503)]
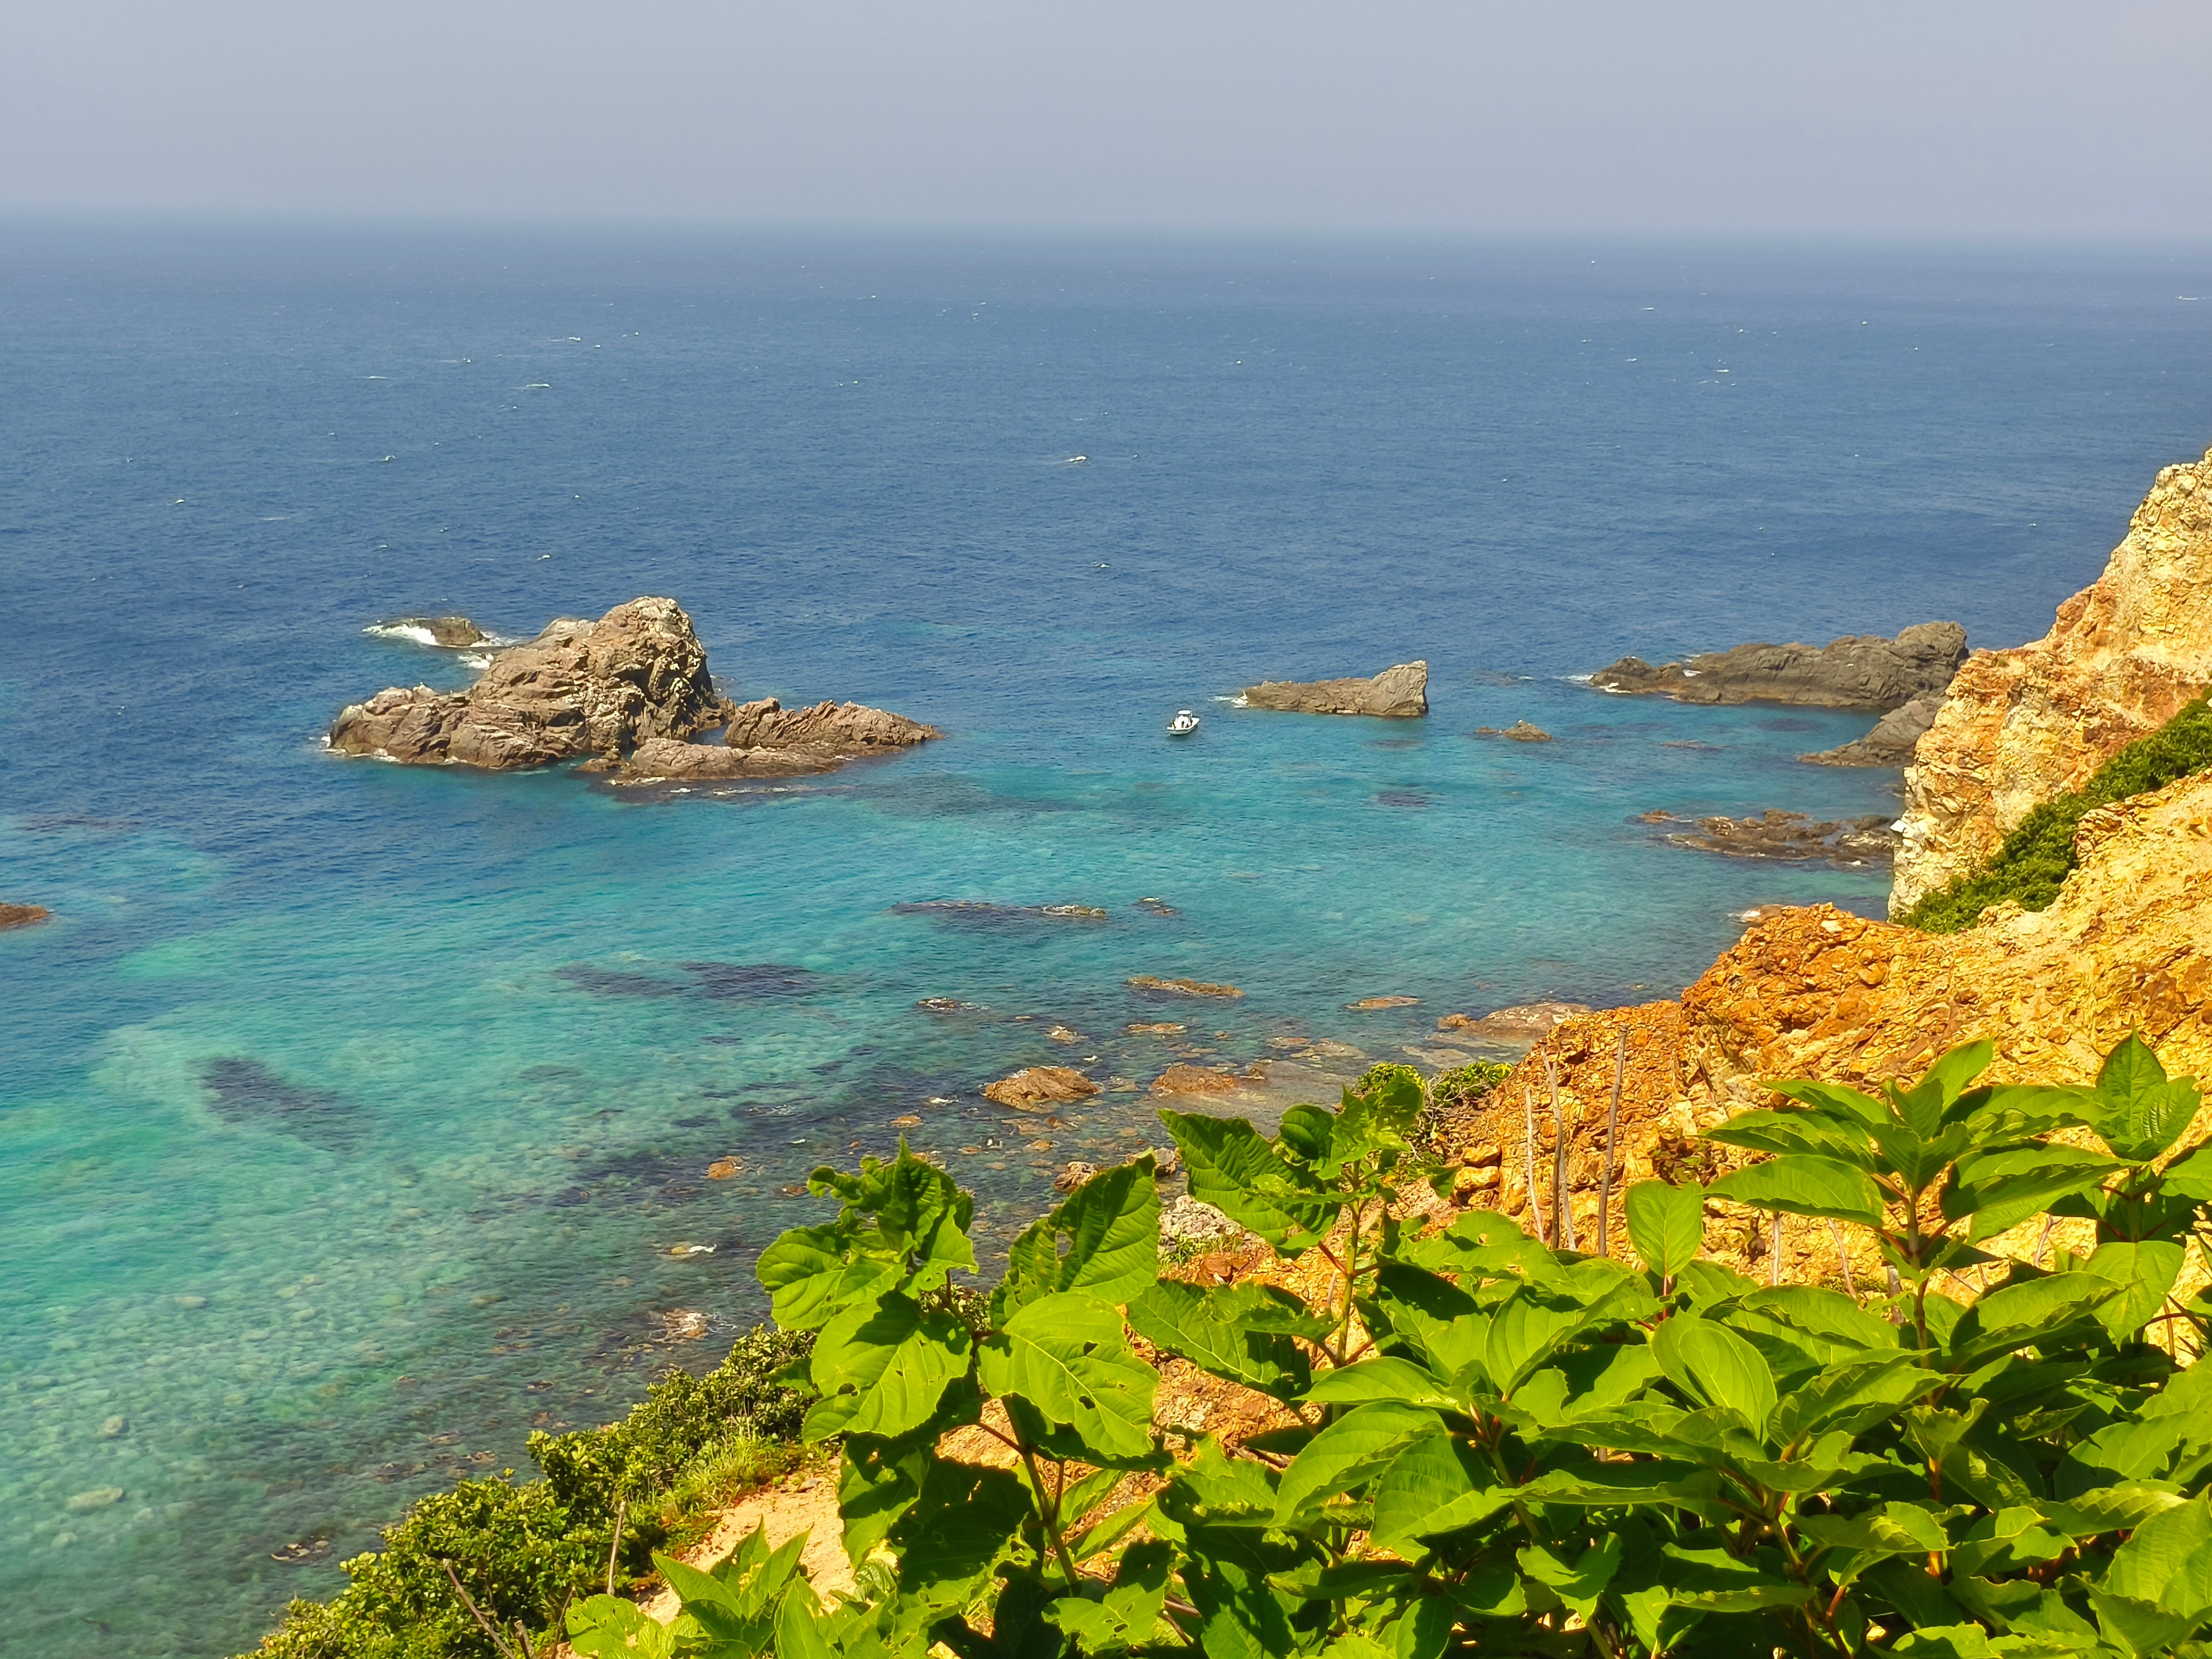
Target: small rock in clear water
[(1368, 1003), (97, 1499), (1073, 1176), (684, 1325), (723, 1168), (1061, 1034), (191, 1302), (115, 1425), (64, 1540), (683, 1250)]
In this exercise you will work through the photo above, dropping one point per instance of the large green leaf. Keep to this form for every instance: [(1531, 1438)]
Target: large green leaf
[(1667, 1224), (2168, 1560), (608, 1627), (1716, 1367), (2144, 1272), (1835, 1101), (1224, 1330), (1388, 1377), (1065, 1354), (1348, 1453), (814, 1274), (1850, 1398), (881, 1368), (1822, 1134), (948, 1543), (1922, 1106), (1576, 1585), (2001, 1189), (2140, 1112), (1229, 1165), (1110, 1231), (1435, 1486), (1526, 1331), (1125, 1613), (1433, 1314), (1799, 1184)]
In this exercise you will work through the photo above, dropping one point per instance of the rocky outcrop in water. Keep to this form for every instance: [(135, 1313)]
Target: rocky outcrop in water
[(2024, 725), (1397, 693), (841, 729), (1774, 833), (579, 689), (1523, 1024), (22, 915), (1519, 731), (1891, 742), (659, 759), (765, 739), (1039, 1085), (1861, 671), (449, 633)]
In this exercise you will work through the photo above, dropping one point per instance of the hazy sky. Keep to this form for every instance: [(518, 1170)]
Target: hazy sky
[(2028, 119)]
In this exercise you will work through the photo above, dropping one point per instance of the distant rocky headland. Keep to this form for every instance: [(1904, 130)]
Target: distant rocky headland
[(2125, 947), (627, 692), (1401, 692), (2024, 725)]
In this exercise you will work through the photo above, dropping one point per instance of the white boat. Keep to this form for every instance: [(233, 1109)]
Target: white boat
[(1184, 724)]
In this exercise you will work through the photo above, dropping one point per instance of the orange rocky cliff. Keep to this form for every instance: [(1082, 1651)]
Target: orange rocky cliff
[(2020, 727), (1819, 992)]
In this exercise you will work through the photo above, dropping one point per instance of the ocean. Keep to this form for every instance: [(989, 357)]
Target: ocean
[(355, 1119)]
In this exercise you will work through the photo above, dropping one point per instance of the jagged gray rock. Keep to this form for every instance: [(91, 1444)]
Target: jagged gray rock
[(1860, 671), (1893, 741)]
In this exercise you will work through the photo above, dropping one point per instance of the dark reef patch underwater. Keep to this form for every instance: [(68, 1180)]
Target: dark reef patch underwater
[(358, 1119)]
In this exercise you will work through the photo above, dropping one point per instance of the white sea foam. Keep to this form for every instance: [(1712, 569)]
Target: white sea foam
[(401, 631)]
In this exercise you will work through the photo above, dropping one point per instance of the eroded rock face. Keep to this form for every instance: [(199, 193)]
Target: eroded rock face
[(580, 688), (2024, 725), (1397, 693), (1819, 993), (1860, 671), (1893, 741), (843, 730)]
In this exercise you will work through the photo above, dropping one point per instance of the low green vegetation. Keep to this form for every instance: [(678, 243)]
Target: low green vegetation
[(1483, 1446), (524, 1550), (1488, 1446), (2039, 855)]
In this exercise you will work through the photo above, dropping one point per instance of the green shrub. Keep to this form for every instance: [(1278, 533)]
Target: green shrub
[(1495, 1448), (524, 1550), (2039, 855), (1464, 1086)]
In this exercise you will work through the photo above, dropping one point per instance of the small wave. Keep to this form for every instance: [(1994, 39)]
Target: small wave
[(401, 631), (1236, 701), (1579, 679), (537, 386)]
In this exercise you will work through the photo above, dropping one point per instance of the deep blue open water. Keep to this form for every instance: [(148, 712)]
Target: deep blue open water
[(348, 1114)]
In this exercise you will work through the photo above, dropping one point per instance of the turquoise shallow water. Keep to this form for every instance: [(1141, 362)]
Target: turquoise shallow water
[(350, 1113)]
